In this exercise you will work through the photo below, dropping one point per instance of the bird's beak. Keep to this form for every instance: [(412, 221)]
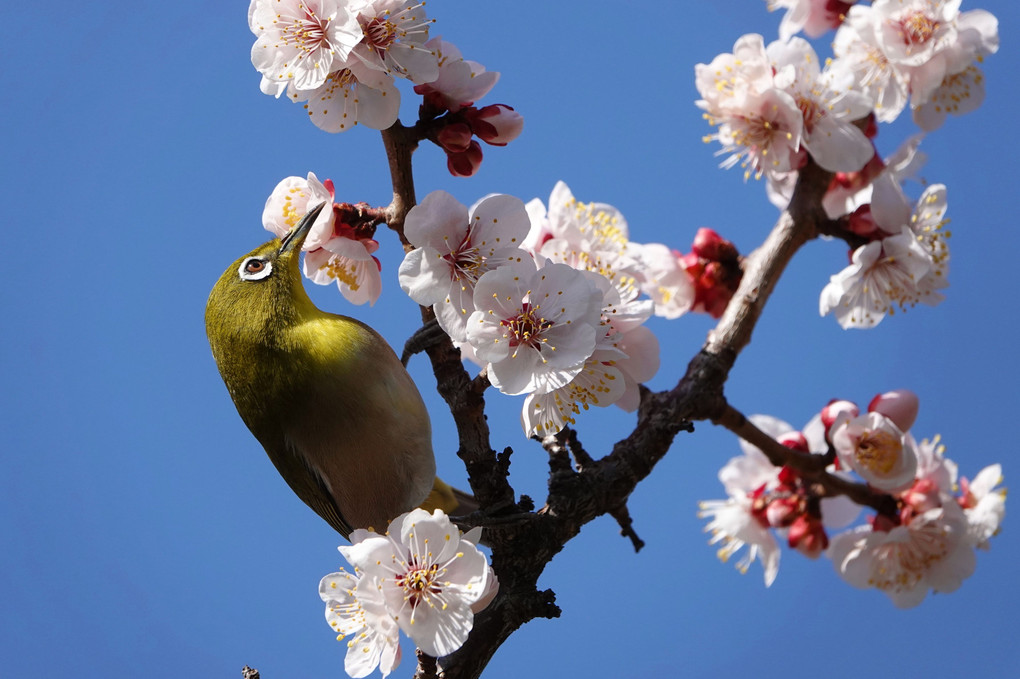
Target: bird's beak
[(293, 241)]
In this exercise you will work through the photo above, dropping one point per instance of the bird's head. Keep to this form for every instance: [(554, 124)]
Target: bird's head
[(260, 294)]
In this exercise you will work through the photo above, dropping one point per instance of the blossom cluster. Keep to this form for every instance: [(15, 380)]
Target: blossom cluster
[(421, 577), (336, 251), (773, 106), (903, 261), (339, 58), (927, 544), (548, 299), (453, 119)]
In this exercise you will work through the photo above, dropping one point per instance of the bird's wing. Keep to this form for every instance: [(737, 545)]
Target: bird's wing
[(311, 487)]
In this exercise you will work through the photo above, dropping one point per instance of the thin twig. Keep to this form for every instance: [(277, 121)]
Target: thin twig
[(810, 466), (521, 552), (776, 452), (622, 516)]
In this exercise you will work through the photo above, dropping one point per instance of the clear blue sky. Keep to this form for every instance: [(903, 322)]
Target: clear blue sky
[(143, 531)]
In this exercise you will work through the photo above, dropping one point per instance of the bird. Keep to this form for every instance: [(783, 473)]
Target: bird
[(325, 395)]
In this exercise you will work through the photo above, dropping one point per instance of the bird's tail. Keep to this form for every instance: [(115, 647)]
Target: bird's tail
[(453, 501)]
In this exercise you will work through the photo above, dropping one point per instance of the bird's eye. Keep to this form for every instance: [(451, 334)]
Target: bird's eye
[(254, 269)]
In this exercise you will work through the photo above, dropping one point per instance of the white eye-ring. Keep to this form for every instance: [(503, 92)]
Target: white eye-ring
[(254, 269)]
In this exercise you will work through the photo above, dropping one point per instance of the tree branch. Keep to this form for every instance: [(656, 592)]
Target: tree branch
[(810, 466), (465, 399), (524, 545)]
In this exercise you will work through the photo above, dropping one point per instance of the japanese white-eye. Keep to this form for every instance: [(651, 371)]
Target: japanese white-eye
[(324, 394)]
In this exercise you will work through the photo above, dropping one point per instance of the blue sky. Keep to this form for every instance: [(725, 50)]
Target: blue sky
[(145, 533)]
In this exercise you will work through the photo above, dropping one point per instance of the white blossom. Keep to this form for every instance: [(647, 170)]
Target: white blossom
[(984, 504), (291, 200), (428, 575), (665, 280), (890, 207), (394, 37), (350, 264), (460, 82), (814, 17), (898, 271), (931, 552), (758, 124), (599, 383), (455, 246), (299, 42), (359, 614), (352, 95), (874, 447), (735, 527), (639, 365), (584, 226), (858, 52), (921, 50), (536, 328), (828, 104)]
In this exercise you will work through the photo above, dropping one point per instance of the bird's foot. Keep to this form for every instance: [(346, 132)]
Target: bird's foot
[(424, 337)]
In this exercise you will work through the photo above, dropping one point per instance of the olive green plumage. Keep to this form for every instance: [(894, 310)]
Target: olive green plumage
[(324, 394)]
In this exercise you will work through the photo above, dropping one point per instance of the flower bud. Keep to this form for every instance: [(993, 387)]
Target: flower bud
[(495, 124), (883, 523), (899, 405), (871, 127), (782, 512), (788, 477), (862, 222), (833, 410), (710, 245), (795, 440), (455, 137), (465, 163), (807, 536)]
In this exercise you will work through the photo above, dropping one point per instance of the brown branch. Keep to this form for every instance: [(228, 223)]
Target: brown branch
[(622, 516), (427, 668), (776, 452), (523, 545), (811, 467), (400, 143), (465, 400)]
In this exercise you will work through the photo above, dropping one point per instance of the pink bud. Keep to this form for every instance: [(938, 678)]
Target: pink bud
[(862, 222), (883, 523), (899, 405), (871, 128), (807, 535), (455, 137), (788, 477), (433, 103), (495, 124), (688, 261), (465, 163), (796, 441), (835, 408), (710, 245), (781, 512)]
